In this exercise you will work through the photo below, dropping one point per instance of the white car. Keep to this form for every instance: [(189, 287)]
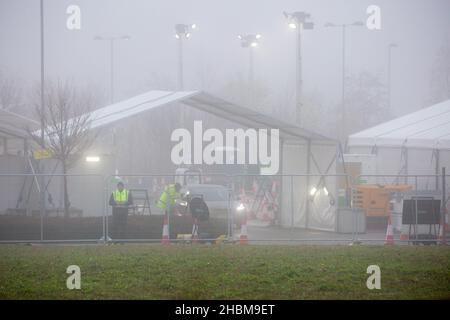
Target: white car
[(217, 198)]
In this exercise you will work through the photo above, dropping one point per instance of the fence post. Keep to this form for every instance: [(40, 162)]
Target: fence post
[(352, 207), (292, 201), (229, 218), (105, 208), (444, 198)]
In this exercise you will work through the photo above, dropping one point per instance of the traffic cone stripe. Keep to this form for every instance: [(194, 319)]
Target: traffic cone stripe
[(165, 234), (404, 236), (244, 237), (195, 232), (441, 238), (389, 234)]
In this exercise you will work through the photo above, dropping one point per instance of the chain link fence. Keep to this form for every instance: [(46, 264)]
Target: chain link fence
[(256, 209), (78, 216)]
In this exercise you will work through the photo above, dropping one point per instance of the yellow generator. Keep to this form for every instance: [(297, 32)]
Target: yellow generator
[(375, 199)]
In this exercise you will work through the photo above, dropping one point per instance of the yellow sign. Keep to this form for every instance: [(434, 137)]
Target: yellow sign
[(42, 154)]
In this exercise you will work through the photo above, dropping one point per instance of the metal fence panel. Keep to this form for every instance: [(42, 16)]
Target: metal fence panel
[(23, 220)]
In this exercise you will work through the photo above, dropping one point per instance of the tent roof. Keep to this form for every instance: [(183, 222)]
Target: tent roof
[(202, 101), (427, 128), (13, 125)]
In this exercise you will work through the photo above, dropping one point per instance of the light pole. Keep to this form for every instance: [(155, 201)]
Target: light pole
[(390, 47), (111, 87), (182, 31), (250, 41), (42, 178), (344, 26), (298, 20), (111, 55)]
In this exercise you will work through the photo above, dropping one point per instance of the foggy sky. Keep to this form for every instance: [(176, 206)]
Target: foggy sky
[(418, 27)]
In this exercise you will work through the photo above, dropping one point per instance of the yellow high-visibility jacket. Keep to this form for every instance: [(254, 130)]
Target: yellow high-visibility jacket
[(167, 198)]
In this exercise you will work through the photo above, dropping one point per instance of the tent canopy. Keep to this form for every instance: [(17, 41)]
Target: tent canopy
[(205, 102), (13, 125), (13, 131), (428, 128)]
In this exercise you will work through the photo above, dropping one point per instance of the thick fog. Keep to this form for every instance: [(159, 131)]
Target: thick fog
[(213, 58)]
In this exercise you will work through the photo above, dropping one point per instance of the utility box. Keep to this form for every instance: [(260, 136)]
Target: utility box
[(350, 220)]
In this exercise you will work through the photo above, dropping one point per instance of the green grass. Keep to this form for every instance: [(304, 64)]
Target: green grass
[(224, 272)]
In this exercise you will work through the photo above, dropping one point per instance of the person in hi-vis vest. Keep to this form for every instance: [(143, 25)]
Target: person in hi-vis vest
[(167, 199), (120, 200)]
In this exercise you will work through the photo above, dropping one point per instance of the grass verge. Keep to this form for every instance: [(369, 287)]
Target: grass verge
[(224, 272)]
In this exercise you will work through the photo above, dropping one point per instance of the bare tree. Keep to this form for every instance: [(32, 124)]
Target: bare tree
[(252, 95), (10, 93), (67, 127), (366, 102)]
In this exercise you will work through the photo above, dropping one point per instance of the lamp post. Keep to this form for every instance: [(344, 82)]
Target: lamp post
[(182, 31), (111, 84), (111, 54), (298, 20), (390, 47), (42, 118), (250, 41), (344, 27)]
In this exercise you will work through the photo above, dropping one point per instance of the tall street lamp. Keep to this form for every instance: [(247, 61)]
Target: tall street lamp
[(390, 47), (298, 20), (42, 119), (344, 28), (111, 84), (182, 31), (250, 41), (111, 53)]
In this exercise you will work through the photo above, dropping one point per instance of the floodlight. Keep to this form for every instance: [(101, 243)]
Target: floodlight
[(92, 159)]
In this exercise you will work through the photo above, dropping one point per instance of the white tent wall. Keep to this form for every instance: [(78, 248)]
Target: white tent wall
[(294, 161), (414, 161), (322, 211), (10, 186), (299, 208), (85, 192), (416, 144)]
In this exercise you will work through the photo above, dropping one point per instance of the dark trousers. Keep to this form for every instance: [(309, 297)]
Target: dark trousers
[(119, 227)]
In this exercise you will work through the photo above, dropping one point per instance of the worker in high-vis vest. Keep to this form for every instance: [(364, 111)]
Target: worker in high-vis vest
[(167, 199), (120, 201)]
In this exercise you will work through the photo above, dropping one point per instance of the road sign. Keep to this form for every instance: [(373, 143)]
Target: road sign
[(42, 154)]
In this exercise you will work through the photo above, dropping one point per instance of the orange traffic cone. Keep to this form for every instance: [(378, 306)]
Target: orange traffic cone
[(255, 187), (389, 233), (441, 238), (404, 236), (266, 215), (243, 239), (165, 234), (194, 237)]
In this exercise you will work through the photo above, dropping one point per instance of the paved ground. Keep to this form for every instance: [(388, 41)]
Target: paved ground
[(266, 235)]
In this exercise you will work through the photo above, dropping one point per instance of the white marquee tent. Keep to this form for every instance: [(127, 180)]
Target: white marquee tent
[(415, 144), (302, 152)]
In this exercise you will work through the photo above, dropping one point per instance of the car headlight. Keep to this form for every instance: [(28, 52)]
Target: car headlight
[(240, 207), (183, 203)]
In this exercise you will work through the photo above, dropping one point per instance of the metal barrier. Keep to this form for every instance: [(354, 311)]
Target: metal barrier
[(148, 226), (302, 208), (79, 218), (382, 197)]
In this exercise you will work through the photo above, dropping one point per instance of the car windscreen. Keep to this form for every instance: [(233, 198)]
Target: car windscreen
[(211, 194)]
